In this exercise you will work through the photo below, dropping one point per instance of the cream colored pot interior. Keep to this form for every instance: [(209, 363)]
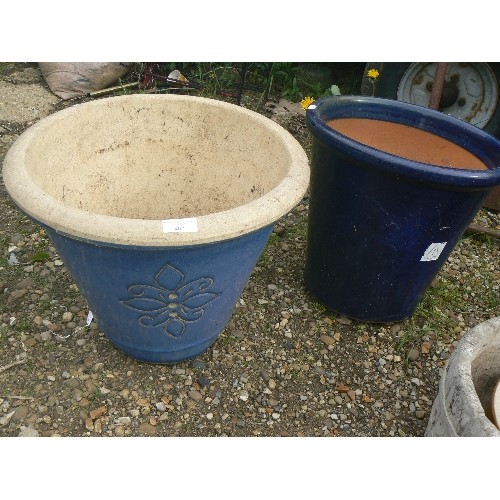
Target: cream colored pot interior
[(113, 169)]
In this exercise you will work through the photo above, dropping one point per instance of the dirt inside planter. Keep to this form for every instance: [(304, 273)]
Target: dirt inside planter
[(172, 160), (407, 142)]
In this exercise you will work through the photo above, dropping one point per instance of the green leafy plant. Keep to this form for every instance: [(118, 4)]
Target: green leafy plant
[(274, 80), (40, 257), (283, 80)]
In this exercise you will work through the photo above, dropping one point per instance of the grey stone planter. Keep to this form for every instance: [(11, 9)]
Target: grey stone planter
[(466, 388)]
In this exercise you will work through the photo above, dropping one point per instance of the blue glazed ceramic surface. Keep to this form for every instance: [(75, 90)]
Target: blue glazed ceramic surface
[(160, 206), (162, 305), (381, 226)]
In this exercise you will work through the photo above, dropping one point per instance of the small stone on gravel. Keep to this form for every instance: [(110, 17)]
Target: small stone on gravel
[(414, 354)]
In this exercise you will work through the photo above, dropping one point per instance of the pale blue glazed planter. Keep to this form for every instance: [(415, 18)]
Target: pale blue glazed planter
[(162, 305), (160, 207)]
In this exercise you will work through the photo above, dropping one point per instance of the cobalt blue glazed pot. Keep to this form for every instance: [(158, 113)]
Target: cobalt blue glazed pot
[(382, 221), (160, 207)]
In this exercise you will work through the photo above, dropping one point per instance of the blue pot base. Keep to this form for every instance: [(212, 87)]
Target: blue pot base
[(164, 357), (358, 312)]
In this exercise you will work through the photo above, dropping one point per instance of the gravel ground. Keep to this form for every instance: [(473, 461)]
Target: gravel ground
[(284, 366)]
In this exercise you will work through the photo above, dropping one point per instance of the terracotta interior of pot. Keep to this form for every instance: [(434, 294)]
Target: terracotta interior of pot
[(167, 159), (407, 142)]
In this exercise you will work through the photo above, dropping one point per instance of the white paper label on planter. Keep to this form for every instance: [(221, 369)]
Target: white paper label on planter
[(90, 317), (180, 225), (433, 252)]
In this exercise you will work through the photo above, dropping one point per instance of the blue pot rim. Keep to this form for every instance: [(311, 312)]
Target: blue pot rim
[(476, 141)]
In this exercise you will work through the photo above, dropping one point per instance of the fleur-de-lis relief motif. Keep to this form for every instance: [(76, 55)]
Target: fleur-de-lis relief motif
[(170, 302)]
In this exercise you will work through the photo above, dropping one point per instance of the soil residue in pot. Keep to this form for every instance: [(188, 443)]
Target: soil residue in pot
[(407, 142)]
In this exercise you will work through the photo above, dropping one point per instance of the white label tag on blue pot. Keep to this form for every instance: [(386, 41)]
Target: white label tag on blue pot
[(189, 225), (90, 317), (433, 252)]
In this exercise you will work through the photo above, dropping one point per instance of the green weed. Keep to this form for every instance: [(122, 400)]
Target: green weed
[(40, 257), (434, 314), (23, 325), (96, 396)]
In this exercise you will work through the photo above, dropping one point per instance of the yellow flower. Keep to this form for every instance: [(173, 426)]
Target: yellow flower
[(306, 102), (372, 73)]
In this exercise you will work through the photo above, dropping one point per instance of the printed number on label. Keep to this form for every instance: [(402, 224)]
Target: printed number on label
[(180, 225)]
